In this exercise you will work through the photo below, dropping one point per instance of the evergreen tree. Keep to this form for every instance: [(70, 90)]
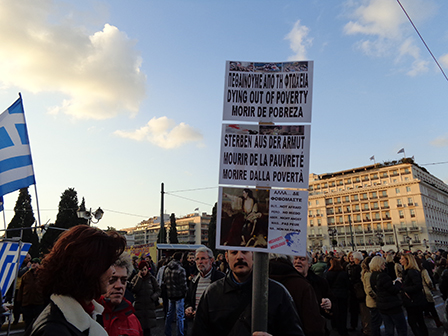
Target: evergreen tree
[(24, 218), (66, 218), (173, 230), (212, 230)]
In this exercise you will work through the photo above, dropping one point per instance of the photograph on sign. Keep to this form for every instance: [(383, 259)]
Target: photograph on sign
[(262, 220), (243, 217), (268, 92), (265, 156)]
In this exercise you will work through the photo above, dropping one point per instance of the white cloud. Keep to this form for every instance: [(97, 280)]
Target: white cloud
[(98, 72), (441, 141), (299, 41), (163, 132), (387, 32), (444, 60)]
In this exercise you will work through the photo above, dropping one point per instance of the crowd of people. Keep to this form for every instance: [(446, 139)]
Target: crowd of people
[(87, 284)]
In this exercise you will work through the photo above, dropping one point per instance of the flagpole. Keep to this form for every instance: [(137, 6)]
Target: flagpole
[(4, 217), (37, 205)]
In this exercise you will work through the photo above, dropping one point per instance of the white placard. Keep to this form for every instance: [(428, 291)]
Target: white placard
[(265, 156), (279, 92)]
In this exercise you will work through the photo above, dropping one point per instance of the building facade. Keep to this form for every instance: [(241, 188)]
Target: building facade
[(394, 205), (191, 229)]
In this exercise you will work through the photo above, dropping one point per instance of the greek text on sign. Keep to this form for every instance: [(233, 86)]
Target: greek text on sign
[(268, 92), (265, 156)]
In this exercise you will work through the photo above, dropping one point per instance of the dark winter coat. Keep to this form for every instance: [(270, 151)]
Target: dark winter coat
[(146, 292), (412, 291), (339, 283), (225, 310), (388, 300), (322, 290), (302, 293), (175, 280)]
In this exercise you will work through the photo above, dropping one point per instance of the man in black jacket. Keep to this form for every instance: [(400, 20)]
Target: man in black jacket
[(225, 306)]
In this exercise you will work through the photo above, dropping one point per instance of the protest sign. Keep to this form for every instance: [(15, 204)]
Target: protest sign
[(265, 155), (262, 220), (268, 92)]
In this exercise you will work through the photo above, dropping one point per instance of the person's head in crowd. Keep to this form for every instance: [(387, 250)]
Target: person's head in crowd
[(80, 263), (408, 261), (117, 283), (35, 263), (365, 264), (335, 265), (377, 264), (190, 258), (389, 257), (240, 263), (177, 256), (302, 263), (357, 257), (204, 260), (143, 267), (350, 257)]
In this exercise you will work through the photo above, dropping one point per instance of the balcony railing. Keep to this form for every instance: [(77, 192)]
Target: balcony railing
[(402, 230)]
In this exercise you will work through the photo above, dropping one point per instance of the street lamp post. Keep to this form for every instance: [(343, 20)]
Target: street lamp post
[(89, 215), (408, 239), (332, 232), (425, 242), (380, 238)]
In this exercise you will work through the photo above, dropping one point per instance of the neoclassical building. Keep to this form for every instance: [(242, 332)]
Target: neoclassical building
[(393, 205)]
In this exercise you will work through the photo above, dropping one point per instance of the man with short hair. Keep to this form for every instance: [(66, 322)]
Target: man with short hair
[(118, 315), (319, 284), (207, 275), (176, 288), (225, 307)]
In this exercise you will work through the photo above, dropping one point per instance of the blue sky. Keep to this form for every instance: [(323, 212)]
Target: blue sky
[(122, 96)]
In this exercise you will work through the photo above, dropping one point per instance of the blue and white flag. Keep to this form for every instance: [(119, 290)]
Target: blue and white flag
[(9, 262), (16, 166), (400, 151)]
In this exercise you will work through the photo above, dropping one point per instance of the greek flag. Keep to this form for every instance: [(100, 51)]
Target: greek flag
[(8, 262), (16, 166)]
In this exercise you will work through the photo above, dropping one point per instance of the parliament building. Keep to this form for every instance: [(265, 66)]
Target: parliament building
[(392, 205)]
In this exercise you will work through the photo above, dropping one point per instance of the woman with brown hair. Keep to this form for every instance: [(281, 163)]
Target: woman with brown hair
[(413, 298), (74, 273), (339, 284)]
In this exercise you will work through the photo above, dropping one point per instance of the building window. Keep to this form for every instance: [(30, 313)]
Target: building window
[(399, 204), (366, 206), (410, 202), (384, 193), (412, 211), (377, 215), (375, 205), (374, 195), (401, 214), (397, 190), (408, 189), (317, 202), (319, 222), (414, 224), (355, 197), (364, 196), (310, 212), (347, 198), (318, 212), (358, 218), (357, 207), (311, 222)]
